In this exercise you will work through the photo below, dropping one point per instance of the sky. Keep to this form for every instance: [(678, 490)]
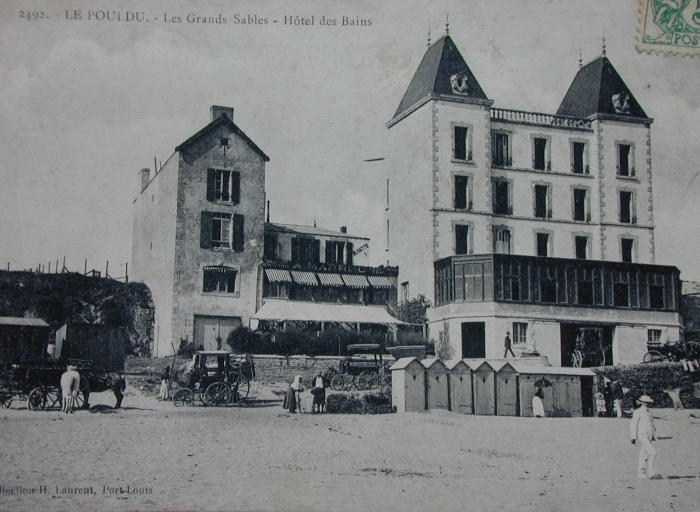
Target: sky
[(85, 103)]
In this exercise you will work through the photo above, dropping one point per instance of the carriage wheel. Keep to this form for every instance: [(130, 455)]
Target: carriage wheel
[(365, 380), (338, 382), (79, 402), (653, 356), (52, 398), (217, 393), (37, 399), (183, 397), (240, 389), (5, 399)]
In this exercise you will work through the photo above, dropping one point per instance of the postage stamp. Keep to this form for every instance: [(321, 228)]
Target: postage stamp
[(669, 27)]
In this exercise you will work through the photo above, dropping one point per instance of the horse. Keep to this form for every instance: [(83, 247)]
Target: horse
[(70, 385), (98, 382)]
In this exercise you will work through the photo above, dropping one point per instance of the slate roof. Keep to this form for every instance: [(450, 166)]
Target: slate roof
[(222, 120), (309, 230), (441, 61), (592, 91)]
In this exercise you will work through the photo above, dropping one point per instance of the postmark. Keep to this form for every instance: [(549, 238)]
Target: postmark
[(669, 27)]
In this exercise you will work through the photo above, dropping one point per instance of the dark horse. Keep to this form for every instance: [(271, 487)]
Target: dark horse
[(98, 382)]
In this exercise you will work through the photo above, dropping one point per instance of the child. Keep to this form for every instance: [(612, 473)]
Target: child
[(600, 404)]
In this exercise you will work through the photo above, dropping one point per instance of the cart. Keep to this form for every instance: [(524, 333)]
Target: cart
[(672, 351), (215, 378), (363, 369)]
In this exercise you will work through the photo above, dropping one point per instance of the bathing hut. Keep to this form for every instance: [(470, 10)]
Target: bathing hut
[(435, 384), (484, 386), (506, 390), (564, 389), (408, 385), (459, 381)]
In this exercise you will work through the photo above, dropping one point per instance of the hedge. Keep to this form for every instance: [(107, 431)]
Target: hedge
[(651, 379)]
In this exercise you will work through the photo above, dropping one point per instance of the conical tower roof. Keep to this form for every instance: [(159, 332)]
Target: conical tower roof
[(599, 89), (442, 72)]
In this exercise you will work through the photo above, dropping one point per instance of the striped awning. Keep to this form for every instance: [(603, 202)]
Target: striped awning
[(278, 275), (221, 269), (306, 278), (355, 281), (330, 279), (379, 282)]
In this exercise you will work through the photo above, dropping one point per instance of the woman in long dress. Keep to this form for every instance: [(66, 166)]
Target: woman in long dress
[(538, 404), (290, 399)]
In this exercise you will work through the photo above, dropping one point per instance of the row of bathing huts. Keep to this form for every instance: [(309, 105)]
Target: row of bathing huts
[(490, 387)]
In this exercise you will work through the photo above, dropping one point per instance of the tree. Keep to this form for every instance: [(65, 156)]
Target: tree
[(413, 311)]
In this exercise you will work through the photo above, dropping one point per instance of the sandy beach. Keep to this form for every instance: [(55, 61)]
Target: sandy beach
[(153, 456)]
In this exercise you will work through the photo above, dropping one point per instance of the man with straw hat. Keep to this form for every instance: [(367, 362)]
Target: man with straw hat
[(643, 434)]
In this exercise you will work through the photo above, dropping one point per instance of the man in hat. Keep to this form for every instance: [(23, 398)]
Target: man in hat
[(643, 434), (507, 343)]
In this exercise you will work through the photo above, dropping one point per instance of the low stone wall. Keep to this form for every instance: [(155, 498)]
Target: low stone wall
[(274, 368)]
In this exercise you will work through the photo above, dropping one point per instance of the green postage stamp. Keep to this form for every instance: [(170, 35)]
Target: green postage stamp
[(669, 26)]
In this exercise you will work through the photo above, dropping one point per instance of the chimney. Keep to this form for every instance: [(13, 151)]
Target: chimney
[(217, 111), (343, 229), (145, 177)]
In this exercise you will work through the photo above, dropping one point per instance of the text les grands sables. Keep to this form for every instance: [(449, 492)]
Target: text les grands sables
[(344, 21)]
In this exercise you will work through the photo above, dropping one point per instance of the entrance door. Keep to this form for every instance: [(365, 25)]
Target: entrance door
[(208, 328), (473, 339)]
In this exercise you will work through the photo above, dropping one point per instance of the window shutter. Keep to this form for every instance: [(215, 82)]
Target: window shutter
[(329, 252), (235, 187), (211, 185), (205, 231), (348, 253), (238, 237), (316, 251)]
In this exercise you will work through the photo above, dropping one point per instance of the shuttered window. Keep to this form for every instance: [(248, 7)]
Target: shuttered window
[(222, 230), (223, 185)]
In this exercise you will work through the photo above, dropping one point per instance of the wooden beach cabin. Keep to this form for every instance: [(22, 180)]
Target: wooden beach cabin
[(459, 385), (408, 385), (562, 388), (506, 390), (484, 386), (435, 384)]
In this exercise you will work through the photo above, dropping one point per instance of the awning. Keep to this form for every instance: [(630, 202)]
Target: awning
[(306, 278), (278, 275), (23, 322), (222, 269), (355, 281), (330, 279), (276, 309), (379, 282)]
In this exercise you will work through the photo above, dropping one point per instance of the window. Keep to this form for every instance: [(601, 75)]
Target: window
[(584, 286), (223, 185), (654, 336), (519, 333), (579, 158), (219, 279), (539, 154), (501, 197), (542, 210), (501, 149), (461, 239), (656, 296), (462, 192), (306, 250), (222, 230), (621, 293), (625, 166), (626, 248), (627, 207), (404, 291), (339, 252), (543, 244), (548, 284), (461, 143), (223, 141), (581, 243), (270, 248), (581, 205), (501, 240)]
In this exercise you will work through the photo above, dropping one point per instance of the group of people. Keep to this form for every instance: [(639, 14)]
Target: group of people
[(292, 399), (608, 402)]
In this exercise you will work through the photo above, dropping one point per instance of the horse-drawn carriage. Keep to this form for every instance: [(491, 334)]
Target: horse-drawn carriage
[(215, 378), (589, 349), (363, 368)]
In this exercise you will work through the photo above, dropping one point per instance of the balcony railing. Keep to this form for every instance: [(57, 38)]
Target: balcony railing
[(540, 119)]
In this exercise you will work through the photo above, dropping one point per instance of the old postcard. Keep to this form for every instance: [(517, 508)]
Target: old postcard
[(348, 255)]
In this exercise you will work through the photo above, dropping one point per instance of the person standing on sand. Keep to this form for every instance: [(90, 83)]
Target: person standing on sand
[(291, 398), (617, 394), (643, 433), (538, 404), (507, 342), (164, 393)]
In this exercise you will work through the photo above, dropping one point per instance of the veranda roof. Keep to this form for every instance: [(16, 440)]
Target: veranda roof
[(379, 281), (275, 309), (306, 278), (278, 275)]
